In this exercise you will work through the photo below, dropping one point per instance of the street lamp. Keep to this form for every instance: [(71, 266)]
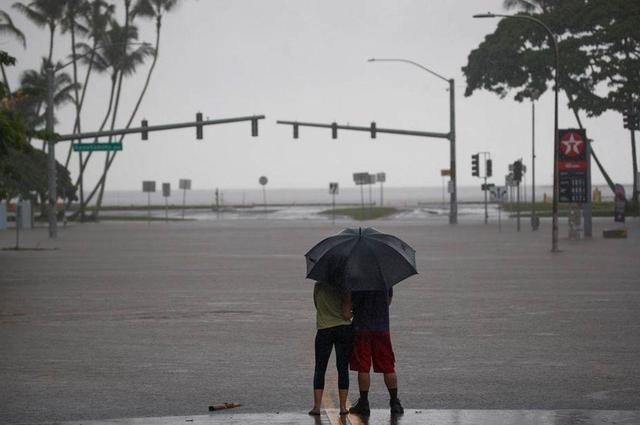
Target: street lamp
[(453, 203), (554, 42)]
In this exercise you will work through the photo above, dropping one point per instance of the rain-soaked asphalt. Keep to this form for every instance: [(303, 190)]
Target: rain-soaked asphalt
[(131, 320)]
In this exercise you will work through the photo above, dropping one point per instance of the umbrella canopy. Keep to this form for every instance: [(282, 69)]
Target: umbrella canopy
[(361, 260)]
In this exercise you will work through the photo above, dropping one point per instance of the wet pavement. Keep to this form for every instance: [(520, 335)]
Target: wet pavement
[(126, 320), (383, 417)]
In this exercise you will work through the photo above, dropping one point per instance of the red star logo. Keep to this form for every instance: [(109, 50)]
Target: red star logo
[(573, 146)]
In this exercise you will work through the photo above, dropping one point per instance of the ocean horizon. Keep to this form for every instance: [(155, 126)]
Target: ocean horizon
[(391, 196)]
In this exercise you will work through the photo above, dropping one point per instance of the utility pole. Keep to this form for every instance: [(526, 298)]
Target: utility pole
[(535, 221), (453, 209)]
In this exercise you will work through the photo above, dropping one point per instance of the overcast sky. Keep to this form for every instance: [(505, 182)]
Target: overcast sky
[(307, 60)]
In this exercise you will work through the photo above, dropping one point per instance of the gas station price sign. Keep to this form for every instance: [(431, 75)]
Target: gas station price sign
[(573, 166)]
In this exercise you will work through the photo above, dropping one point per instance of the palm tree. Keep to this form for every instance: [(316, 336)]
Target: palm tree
[(44, 13), (34, 85), (119, 55), (73, 9), (7, 27), (152, 9)]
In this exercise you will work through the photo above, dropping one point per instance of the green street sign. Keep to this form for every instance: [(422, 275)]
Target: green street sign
[(92, 147)]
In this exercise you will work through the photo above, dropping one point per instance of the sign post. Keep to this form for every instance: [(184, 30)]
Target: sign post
[(148, 187), (575, 171), (498, 193), (361, 179), (444, 172), (371, 180), (166, 192), (381, 178), (263, 182), (184, 184), (333, 191)]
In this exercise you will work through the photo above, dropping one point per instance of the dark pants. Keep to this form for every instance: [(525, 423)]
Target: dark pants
[(340, 336)]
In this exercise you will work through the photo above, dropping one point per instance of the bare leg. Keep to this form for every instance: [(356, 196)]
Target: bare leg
[(317, 402), (342, 394), (390, 380), (364, 381)]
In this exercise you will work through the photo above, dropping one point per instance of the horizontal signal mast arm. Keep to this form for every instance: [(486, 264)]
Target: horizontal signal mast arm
[(95, 134), (368, 129)]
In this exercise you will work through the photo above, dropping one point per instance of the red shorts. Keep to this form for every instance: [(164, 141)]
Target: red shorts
[(376, 345)]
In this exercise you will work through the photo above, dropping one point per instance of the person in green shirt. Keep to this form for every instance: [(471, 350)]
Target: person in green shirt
[(333, 322)]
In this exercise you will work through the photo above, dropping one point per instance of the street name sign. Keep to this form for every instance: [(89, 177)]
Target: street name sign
[(94, 147)]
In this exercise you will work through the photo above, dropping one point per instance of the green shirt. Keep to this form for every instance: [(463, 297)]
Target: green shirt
[(328, 303)]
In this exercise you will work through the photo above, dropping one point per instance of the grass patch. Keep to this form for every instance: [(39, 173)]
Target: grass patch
[(362, 214), (602, 209)]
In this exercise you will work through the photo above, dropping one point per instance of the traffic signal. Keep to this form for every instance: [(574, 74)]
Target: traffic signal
[(630, 120), (254, 128), (199, 127), (489, 170), (373, 130), (295, 131), (517, 171), (334, 131), (144, 133), (475, 165)]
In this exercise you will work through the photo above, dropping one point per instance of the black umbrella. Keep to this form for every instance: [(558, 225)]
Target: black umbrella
[(361, 260)]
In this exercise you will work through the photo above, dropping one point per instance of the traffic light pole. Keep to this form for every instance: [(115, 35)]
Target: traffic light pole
[(123, 131), (52, 139), (486, 209), (373, 129), (453, 196)]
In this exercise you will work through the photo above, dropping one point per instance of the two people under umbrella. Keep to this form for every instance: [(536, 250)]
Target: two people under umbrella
[(355, 272)]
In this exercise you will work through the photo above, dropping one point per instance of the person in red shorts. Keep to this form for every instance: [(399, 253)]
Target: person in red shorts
[(372, 345)]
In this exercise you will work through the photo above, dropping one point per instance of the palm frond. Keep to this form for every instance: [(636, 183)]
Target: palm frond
[(34, 16), (7, 27)]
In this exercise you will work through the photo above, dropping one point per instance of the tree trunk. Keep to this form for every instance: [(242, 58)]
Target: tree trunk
[(80, 182), (86, 161), (133, 114), (107, 160), (4, 77), (52, 32), (593, 153)]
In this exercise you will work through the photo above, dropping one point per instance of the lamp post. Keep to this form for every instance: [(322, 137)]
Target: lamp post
[(453, 205), (535, 221), (554, 42)]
